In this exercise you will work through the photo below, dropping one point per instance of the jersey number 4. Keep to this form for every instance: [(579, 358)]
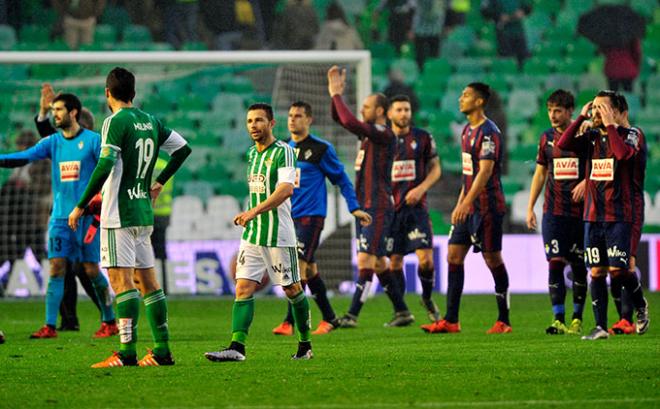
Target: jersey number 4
[(145, 149)]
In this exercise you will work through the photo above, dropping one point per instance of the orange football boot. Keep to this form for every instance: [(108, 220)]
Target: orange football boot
[(44, 332), (500, 328), (323, 328), (106, 330), (285, 329), (115, 360), (622, 327)]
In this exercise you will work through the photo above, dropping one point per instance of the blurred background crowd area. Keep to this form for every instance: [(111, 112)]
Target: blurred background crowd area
[(429, 49)]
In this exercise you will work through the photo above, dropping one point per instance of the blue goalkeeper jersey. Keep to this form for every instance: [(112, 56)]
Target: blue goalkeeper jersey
[(73, 161), (317, 159)]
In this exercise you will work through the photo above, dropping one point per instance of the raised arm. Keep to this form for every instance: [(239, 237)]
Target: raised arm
[(570, 139), (17, 159)]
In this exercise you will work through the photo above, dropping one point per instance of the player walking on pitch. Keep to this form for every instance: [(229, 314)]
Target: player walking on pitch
[(477, 218), (415, 169), (131, 140), (373, 184), (268, 245), (562, 173), (74, 152), (316, 160)]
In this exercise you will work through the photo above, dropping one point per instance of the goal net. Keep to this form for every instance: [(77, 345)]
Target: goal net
[(203, 95)]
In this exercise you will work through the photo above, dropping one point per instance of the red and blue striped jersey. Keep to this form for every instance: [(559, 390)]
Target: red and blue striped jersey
[(414, 152), (483, 143), (609, 170), (639, 173), (565, 171), (373, 164)]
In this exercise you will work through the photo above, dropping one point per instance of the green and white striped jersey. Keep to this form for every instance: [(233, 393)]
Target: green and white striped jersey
[(266, 170), (133, 138)]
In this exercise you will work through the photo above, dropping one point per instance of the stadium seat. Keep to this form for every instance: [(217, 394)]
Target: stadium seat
[(408, 68), (187, 214), (436, 67), (557, 81), (634, 104), (7, 37), (105, 33), (238, 85), (453, 49), (449, 101), (523, 103), (194, 46), (199, 188), (34, 34), (484, 48), (538, 66), (591, 81), (382, 50), (473, 66), (136, 34), (572, 66), (504, 66)]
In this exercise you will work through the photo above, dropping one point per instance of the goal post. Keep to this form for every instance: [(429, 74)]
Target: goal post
[(201, 94)]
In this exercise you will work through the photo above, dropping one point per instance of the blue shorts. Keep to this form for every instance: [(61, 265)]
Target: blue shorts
[(375, 239), (411, 230), (607, 244), (66, 243), (563, 236), (483, 232), (308, 233)]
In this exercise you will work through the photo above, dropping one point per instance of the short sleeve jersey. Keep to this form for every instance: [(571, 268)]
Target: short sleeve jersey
[(266, 170), (414, 152), (483, 143), (134, 138), (565, 171)]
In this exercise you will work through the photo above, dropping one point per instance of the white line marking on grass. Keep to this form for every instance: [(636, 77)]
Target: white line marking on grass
[(469, 404)]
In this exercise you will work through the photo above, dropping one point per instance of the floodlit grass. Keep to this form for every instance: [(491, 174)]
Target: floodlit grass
[(368, 367)]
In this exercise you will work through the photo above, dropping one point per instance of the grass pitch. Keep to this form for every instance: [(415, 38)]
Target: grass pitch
[(368, 367)]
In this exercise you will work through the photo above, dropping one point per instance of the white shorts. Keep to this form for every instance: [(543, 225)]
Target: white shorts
[(127, 247), (281, 264)]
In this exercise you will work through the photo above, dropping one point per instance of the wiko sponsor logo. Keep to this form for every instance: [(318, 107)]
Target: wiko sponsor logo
[(615, 252), (136, 192)]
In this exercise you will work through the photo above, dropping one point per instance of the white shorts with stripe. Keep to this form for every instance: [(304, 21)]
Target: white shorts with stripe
[(281, 264), (127, 247)]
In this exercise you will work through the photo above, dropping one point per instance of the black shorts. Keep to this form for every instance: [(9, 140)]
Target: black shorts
[(411, 230), (563, 237), (607, 244), (483, 232), (375, 239), (308, 233)]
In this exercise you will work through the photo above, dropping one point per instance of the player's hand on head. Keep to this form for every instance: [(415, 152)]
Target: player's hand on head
[(607, 114), (586, 108), (585, 127)]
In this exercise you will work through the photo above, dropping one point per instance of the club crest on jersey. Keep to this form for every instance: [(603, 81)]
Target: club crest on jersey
[(268, 162), (487, 147), (257, 183), (81, 144), (413, 144), (296, 151)]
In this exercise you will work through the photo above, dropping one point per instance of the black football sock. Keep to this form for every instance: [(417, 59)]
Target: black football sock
[(387, 282), (362, 287), (634, 289), (69, 298), (616, 287), (599, 301), (501, 278), (426, 277), (399, 279), (579, 271), (320, 295), (455, 280), (557, 288), (627, 307)]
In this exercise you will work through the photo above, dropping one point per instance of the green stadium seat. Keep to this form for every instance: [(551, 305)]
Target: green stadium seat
[(453, 49), (471, 66), (194, 46), (408, 68), (7, 37), (192, 103), (136, 34), (538, 66), (504, 66), (199, 188), (172, 90), (562, 81), (429, 100), (464, 35), (383, 50), (549, 7), (380, 67), (34, 34), (449, 102), (580, 48), (524, 153), (634, 104), (522, 103), (573, 66), (567, 20), (437, 67), (130, 46), (499, 83), (47, 71), (13, 72), (160, 46), (484, 48), (592, 81), (116, 16), (105, 33), (238, 85), (644, 7)]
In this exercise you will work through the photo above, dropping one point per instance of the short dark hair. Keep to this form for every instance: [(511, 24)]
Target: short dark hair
[(623, 103), (264, 107), (562, 98), (381, 101), (615, 99), (304, 105), (121, 84), (483, 90), (71, 102), (400, 98), (86, 119)]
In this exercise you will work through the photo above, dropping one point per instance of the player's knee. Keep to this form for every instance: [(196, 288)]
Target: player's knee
[(91, 269), (57, 267), (396, 262), (292, 290), (426, 264), (121, 281), (245, 289), (455, 255), (381, 265), (366, 260), (493, 260), (617, 272), (597, 272)]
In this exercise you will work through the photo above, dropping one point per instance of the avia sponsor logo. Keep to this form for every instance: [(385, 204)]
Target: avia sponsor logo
[(136, 192), (602, 170), (257, 183), (615, 252), (467, 164), (143, 126), (416, 235), (403, 171), (70, 171), (566, 168)]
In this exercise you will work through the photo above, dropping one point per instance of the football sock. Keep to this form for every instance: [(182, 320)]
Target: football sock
[(426, 278), (389, 286), (579, 271), (289, 311), (320, 294), (241, 319), (599, 300), (634, 289), (557, 287), (68, 307), (626, 305), (128, 311), (455, 280), (616, 287), (301, 316), (100, 284), (399, 279), (501, 292), (54, 296), (365, 275), (155, 305)]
